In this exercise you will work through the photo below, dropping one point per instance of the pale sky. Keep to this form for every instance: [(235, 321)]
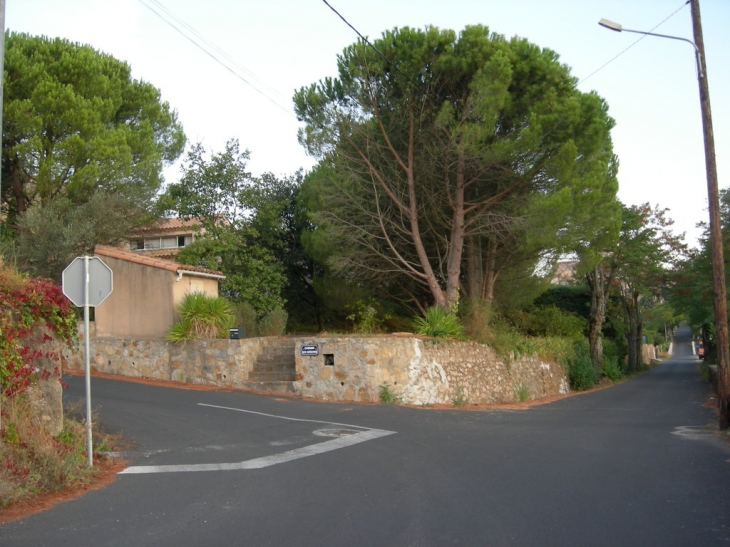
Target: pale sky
[(282, 45)]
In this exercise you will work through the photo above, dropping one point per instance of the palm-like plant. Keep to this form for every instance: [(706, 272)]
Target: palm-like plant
[(202, 316), (439, 323)]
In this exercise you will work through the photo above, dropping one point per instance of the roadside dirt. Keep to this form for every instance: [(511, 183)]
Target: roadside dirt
[(107, 473)]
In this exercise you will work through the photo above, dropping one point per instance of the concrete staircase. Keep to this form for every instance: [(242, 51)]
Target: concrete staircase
[(274, 368)]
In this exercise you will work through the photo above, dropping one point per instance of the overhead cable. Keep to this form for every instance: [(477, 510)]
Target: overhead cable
[(196, 38)]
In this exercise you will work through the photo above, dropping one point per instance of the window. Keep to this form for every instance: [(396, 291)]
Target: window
[(170, 242)]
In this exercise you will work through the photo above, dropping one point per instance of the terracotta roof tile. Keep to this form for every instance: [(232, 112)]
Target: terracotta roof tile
[(168, 225), (154, 262)]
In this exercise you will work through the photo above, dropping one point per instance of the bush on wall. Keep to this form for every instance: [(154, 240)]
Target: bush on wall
[(28, 304)]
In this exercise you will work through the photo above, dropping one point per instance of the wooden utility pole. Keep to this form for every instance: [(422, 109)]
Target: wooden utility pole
[(713, 198)]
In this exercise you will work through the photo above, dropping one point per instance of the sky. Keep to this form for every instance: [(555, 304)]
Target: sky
[(272, 48)]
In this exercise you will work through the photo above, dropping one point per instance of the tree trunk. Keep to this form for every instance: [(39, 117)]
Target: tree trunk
[(490, 270), (17, 189), (473, 269), (456, 242), (633, 336), (598, 283)]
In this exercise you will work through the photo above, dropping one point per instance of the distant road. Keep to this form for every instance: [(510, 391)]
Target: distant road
[(639, 464)]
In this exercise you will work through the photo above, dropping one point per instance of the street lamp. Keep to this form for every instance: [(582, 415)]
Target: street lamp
[(718, 264), (610, 25)]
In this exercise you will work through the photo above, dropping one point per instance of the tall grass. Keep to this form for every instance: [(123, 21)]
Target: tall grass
[(33, 461)]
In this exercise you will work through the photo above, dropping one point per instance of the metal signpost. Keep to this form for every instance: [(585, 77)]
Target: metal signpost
[(87, 281)]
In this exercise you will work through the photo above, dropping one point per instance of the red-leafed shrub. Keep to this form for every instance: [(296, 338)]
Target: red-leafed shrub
[(27, 306)]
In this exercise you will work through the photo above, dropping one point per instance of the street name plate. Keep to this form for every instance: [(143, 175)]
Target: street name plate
[(310, 350)]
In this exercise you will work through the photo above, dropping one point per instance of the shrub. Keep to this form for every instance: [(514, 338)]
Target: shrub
[(202, 316), (365, 318), (611, 369), (388, 396), (476, 318), (550, 321), (245, 316), (438, 323), (273, 323), (581, 373), (615, 351), (29, 304)]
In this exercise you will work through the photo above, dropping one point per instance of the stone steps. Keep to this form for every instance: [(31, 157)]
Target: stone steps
[(272, 376), (270, 387), (275, 365)]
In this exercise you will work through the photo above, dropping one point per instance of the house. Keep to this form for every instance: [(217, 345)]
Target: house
[(146, 290), (165, 238), (565, 272)]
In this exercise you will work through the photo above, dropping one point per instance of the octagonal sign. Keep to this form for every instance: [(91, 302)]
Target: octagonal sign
[(100, 281)]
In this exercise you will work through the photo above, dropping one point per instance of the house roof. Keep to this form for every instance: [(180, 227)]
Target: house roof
[(154, 262), (166, 225)]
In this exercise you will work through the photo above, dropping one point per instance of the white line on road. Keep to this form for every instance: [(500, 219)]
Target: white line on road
[(259, 463)]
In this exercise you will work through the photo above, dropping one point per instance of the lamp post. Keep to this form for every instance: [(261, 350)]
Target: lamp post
[(718, 264)]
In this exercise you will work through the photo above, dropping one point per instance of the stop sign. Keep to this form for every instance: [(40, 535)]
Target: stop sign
[(74, 281)]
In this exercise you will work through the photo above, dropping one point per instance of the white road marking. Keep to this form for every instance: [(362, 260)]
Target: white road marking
[(366, 434), (696, 432)]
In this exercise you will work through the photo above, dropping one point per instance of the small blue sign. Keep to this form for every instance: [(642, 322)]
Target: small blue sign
[(310, 351)]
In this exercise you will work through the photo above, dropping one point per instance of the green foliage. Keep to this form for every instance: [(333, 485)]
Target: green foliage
[(218, 190), (615, 350), (475, 119), (438, 323), (202, 316), (522, 392), (567, 298), (75, 122), (611, 369), (51, 236), (244, 236), (641, 261), (365, 318), (581, 372), (388, 396), (245, 316), (550, 321), (273, 323), (253, 274), (459, 398)]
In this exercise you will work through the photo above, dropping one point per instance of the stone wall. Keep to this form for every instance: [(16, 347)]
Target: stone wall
[(224, 363), (418, 371), (421, 372)]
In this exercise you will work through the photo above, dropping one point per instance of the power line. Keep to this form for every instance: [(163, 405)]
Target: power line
[(364, 39), (604, 65), (196, 39)]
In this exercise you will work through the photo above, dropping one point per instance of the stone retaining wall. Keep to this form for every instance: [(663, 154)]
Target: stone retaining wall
[(421, 372), (345, 369), (224, 363)]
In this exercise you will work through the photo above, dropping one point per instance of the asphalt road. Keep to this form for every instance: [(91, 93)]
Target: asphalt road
[(638, 464)]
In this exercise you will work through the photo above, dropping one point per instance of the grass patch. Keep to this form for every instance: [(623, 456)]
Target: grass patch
[(459, 399), (522, 392), (388, 396), (33, 462)]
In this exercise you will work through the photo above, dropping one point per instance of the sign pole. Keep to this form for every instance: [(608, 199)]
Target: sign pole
[(87, 281), (87, 364)]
